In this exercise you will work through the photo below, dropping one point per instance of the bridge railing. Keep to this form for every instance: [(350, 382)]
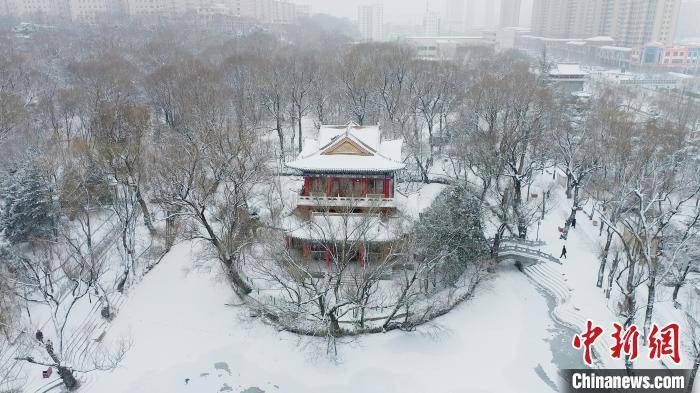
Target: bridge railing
[(526, 252)]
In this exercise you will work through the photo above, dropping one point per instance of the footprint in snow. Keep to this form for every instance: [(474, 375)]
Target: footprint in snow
[(253, 389), (223, 366)]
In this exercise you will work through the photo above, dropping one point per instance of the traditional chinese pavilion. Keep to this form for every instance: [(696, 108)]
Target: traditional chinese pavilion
[(345, 210)]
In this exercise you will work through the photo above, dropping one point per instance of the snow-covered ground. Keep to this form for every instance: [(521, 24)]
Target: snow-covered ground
[(183, 323)]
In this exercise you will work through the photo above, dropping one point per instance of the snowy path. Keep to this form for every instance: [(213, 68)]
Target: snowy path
[(550, 278), (573, 282), (182, 328)]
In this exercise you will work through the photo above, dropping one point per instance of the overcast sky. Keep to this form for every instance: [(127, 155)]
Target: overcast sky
[(395, 11)]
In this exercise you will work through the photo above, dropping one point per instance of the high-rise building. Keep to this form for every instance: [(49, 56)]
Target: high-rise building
[(304, 10), (370, 20), (489, 13), (471, 17), (6, 8), (265, 11), (91, 10), (455, 17), (284, 12), (41, 9), (688, 25), (629, 22), (431, 23), (148, 7), (510, 13)]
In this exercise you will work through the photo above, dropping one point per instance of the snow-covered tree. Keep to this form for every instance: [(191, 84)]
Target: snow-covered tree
[(29, 209), (451, 233)]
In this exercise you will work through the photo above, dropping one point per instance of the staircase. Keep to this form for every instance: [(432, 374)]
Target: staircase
[(550, 278)]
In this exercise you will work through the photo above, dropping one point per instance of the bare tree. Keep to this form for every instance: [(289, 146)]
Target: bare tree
[(209, 182), (303, 70)]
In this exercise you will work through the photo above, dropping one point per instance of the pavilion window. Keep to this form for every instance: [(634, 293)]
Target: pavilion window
[(319, 251), (345, 187), (375, 186), (318, 185), (333, 187), (356, 187)]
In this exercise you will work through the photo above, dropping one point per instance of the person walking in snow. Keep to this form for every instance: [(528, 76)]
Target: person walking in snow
[(573, 222), (563, 252)]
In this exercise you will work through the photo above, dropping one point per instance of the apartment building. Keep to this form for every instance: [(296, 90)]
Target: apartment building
[(630, 23), (370, 20)]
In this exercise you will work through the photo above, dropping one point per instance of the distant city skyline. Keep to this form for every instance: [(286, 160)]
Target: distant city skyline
[(402, 11)]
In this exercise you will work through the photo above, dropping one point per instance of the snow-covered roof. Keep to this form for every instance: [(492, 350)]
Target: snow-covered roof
[(349, 148), (350, 227), (567, 69), (616, 48), (600, 38)]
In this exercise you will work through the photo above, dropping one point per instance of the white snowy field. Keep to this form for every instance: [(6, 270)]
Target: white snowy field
[(182, 324)]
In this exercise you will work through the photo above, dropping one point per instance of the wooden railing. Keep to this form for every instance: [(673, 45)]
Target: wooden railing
[(371, 200)]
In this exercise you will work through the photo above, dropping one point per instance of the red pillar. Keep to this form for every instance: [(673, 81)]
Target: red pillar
[(328, 257), (307, 249), (387, 190), (363, 184), (329, 186), (307, 185)]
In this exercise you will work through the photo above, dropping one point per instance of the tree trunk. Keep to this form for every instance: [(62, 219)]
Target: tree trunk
[(651, 299), (574, 209), (67, 377), (611, 275), (300, 132), (679, 284), (65, 373), (629, 366), (423, 171), (497, 241), (242, 287), (170, 232), (693, 373), (335, 329), (517, 201), (278, 128), (630, 301), (144, 210), (604, 259)]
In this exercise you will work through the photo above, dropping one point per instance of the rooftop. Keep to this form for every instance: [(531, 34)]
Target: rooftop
[(349, 148), (567, 69)]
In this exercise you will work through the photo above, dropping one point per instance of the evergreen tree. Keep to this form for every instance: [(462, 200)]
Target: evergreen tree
[(452, 229), (28, 210)]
